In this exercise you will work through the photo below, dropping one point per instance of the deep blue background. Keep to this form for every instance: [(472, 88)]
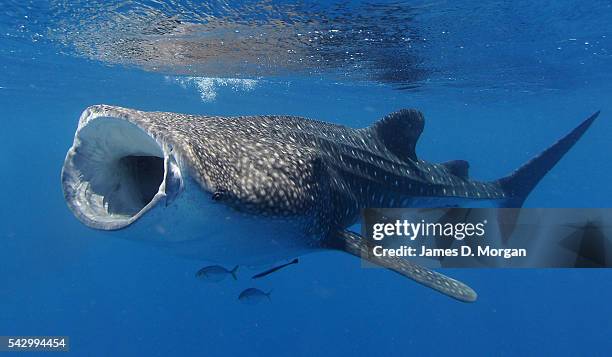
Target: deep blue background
[(114, 297)]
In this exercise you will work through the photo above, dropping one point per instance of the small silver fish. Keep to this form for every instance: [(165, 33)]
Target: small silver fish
[(253, 296), (216, 273)]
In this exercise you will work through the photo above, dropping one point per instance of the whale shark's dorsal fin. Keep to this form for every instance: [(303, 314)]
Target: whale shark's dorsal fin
[(358, 246), (399, 132), (458, 168)]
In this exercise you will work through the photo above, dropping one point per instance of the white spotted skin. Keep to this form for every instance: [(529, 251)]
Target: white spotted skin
[(194, 226), (286, 183)]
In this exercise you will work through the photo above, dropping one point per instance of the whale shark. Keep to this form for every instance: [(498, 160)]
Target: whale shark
[(258, 189)]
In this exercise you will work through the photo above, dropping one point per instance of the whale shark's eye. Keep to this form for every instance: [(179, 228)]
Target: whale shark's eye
[(218, 195)]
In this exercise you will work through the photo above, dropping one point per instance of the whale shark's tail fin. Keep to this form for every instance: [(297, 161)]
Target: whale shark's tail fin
[(519, 184)]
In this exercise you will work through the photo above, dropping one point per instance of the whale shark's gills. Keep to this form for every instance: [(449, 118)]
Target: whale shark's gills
[(296, 182)]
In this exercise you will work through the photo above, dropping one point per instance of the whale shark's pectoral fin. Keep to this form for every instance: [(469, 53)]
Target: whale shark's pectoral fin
[(400, 131), (356, 245)]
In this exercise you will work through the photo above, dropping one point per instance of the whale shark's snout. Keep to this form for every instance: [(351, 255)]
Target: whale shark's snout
[(116, 171), (162, 178)]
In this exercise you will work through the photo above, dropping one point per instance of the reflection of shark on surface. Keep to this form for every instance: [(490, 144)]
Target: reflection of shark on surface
[(247, 190)]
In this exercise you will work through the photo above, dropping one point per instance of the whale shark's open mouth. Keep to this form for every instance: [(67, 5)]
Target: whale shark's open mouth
[(114, 172)]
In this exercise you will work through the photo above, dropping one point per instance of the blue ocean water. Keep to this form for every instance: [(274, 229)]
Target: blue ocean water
[(497, 82)]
